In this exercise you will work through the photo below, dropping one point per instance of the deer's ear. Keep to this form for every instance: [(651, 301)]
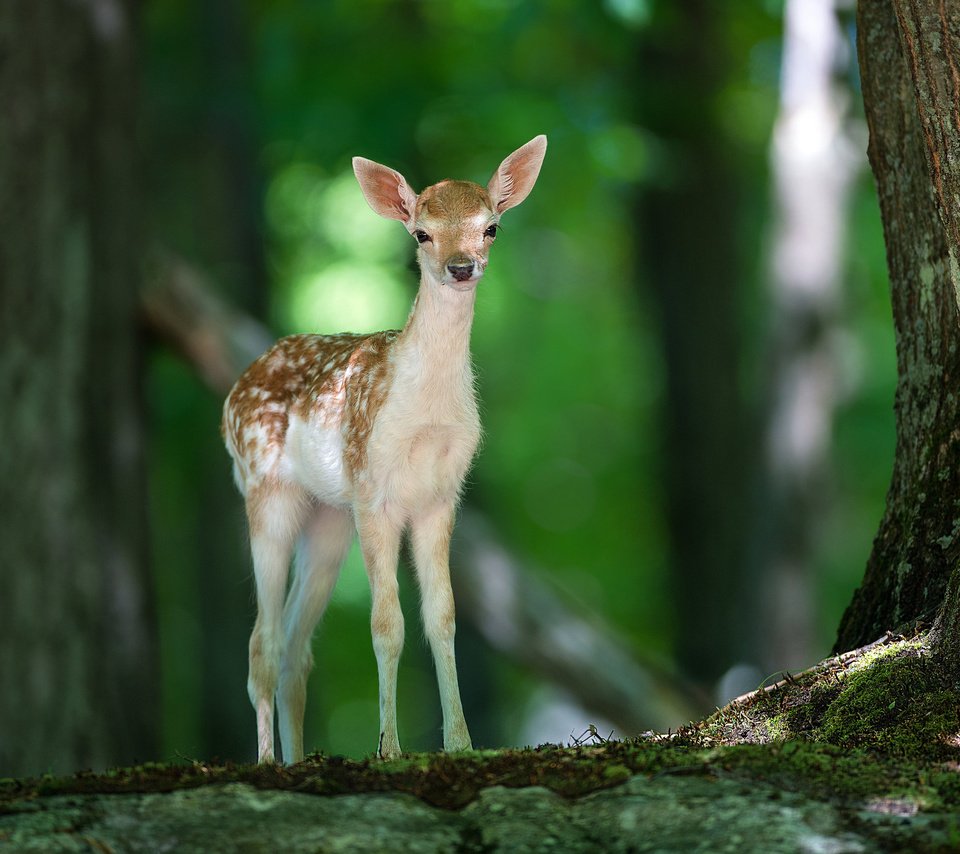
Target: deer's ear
[(514, 179), (386, 191)]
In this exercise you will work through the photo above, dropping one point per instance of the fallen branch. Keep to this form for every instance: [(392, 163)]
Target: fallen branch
[(834, 662), (183, 311), (530, 622)]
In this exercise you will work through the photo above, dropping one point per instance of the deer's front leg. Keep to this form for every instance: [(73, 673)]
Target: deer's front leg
[(431, 549), (380, 544)]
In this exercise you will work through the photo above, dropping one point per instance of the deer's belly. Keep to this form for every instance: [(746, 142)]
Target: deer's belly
[(314, 458)]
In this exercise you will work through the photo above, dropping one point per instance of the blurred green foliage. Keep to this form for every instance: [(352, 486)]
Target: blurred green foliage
[(251, 112)]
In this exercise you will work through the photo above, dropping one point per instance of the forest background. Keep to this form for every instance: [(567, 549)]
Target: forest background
[(683, 345)]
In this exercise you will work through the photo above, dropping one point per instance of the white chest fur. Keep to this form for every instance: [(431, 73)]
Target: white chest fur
[(424, 441), (418, 452)]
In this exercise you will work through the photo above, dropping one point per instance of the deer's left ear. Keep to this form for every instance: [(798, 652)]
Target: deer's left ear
[(514, 179), (386, 191)]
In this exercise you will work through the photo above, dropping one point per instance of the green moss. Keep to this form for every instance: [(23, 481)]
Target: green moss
[(616, 773), (824, 771), (899, 706), (819, 769), (777, 728), (411, 762), (805, 718), (890, 698)]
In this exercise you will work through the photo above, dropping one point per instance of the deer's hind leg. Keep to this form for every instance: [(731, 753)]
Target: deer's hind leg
[(275, 512), (321, 550)]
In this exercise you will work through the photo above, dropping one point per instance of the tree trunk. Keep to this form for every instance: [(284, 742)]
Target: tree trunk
[(77, 636), (813, 165), (206, 190), (911, 86), (690, 221)]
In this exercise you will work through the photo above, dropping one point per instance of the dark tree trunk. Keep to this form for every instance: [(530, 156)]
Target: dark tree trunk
[(690, 222), (77, 635), (206, 150), (911, 88)]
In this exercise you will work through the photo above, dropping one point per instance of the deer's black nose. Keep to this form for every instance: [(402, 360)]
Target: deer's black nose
[(461, 269)]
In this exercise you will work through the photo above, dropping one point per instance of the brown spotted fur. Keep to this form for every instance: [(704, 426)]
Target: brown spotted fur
[(341, 380)]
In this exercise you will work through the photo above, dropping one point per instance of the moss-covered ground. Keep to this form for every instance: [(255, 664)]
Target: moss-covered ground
[(879, 728), (823, 771), (888, 699)]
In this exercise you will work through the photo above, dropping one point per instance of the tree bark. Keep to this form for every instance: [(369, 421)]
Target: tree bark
[(911, 88), (77, 635)]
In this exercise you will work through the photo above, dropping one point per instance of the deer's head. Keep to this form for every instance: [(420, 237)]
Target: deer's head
[(454, 222)]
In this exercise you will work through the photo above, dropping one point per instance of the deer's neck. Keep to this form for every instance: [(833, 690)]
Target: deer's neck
[(433, 351)]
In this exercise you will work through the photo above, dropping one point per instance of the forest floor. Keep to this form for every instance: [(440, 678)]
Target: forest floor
[(861, 753)]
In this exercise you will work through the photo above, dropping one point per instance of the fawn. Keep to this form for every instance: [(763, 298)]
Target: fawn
[(374, 433)]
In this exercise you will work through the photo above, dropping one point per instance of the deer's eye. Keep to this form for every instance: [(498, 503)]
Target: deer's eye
[(491, 231), (422, 236)]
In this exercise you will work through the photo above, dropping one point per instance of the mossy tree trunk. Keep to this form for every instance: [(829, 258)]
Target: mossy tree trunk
[(909, 52), (76, 637)]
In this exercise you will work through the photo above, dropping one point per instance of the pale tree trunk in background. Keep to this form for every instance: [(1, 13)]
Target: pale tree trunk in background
[(813, 165), (77, 649), (909, 52)]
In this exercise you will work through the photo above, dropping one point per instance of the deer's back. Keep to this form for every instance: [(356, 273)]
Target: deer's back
[(303, 411)]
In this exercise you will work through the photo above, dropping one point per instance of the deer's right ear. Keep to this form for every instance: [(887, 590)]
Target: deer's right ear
[(386, 191)]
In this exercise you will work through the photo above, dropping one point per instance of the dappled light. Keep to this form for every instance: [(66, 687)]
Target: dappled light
[(337, 268), (347, 296)]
